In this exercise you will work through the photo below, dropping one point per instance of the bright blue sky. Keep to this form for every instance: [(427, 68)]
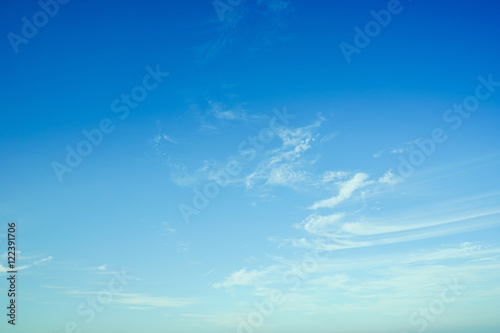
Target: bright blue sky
[(329, 179)]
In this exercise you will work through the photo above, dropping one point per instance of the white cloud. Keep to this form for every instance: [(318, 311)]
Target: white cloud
[(401, 150), (4, 256), (398, 150), (284, 174), (330, 282), (226, 115), (285, 165), (367, 281), (140, 300), (373, 232), (169, 139), (168, 229), (4, 269), (240, 278), (26, 266), (208, 273), (182, 246), (158, 138), (330, 176), (151, 301), (347, 188), (389, 178), (101, 268), (329, 137), (182, 178), (220, 111), (52, 287), (319, 225)]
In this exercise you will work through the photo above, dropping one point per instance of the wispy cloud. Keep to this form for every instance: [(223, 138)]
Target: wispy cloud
[(157, 139), (241, 278), (267, 26), (337, 232), (406, 148), (154, 301), (53, 287), (320, 225), (285, 165), (172, 238), (182, 246), (329, 137), (168, 229), (276, 6), (140, 300), (367, 282), (24, 265), (347, 188), (330, 176), (220, 111), (389, 178), (209, 272), (102, 268)]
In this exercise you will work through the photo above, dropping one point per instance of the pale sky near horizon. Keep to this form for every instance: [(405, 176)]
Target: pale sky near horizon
[(257, 166)]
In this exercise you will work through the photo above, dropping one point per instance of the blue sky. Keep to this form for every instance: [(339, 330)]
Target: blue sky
[(242, 173)]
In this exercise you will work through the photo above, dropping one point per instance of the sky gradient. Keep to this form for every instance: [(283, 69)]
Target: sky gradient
[(251, 166)]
